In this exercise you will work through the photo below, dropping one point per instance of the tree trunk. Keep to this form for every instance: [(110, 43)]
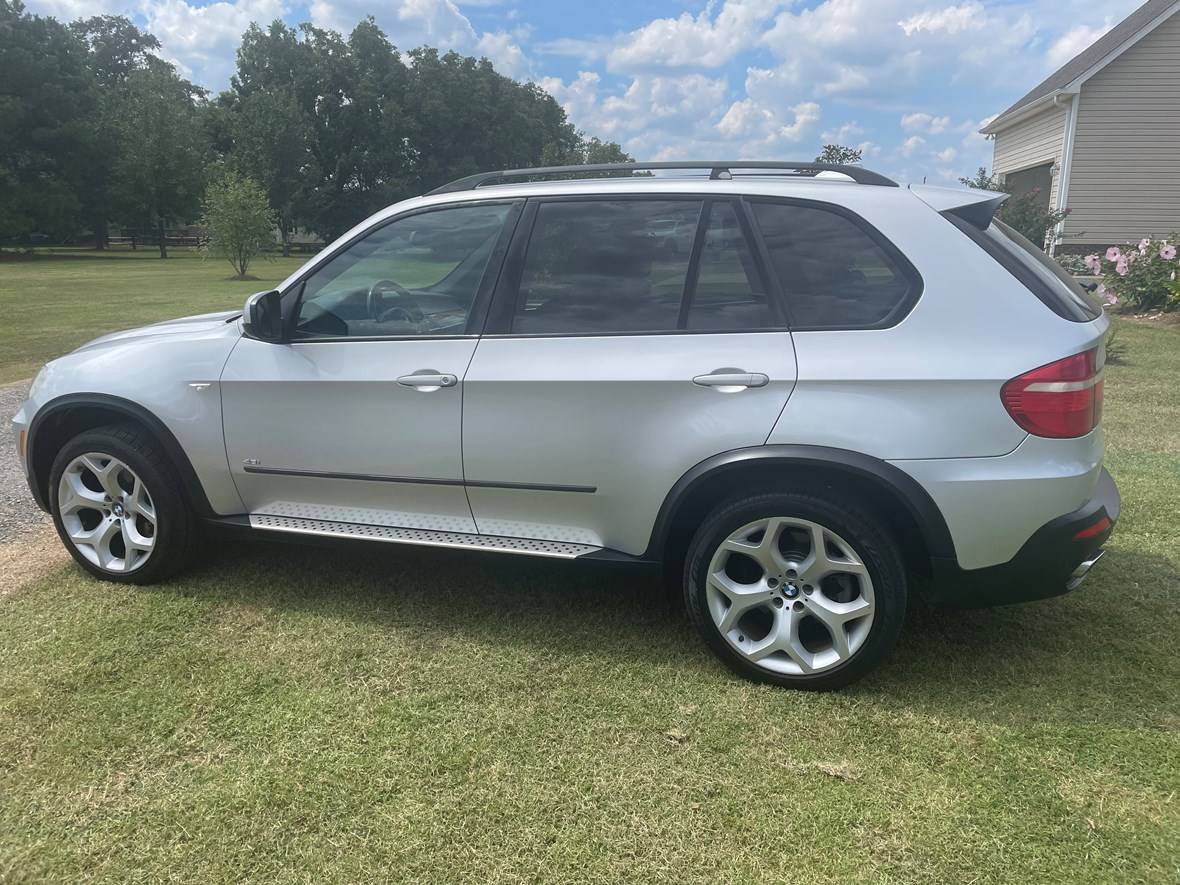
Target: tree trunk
[(163, 241), (101, 235), (285, 232)]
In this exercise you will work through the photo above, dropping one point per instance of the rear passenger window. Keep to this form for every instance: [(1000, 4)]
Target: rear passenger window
[(834, 273), (606, 266), (729, 293)]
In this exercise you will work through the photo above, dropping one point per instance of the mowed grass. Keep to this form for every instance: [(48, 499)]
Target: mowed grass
[(54, 301), (290, 714)]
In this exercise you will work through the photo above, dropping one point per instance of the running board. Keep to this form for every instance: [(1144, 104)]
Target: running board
[(420, 537)]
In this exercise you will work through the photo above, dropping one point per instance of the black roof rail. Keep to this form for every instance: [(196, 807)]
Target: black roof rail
[(719, 170)]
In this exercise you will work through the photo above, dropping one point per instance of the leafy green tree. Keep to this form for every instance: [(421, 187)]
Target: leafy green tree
[(238, 220), (47, 99), (159, 171), (840, 155), (115, 48)]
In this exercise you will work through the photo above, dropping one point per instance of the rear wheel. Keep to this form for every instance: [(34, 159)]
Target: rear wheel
[(795, 589), (118, 508)]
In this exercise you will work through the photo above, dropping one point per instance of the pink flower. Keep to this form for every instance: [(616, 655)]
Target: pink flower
[(1167, 252), (1144, 245), (1122, 266), (1113, 253), (1108, 296), (1094, 263)]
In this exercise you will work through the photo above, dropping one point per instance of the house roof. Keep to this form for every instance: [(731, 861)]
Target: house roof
[(1100, 53)]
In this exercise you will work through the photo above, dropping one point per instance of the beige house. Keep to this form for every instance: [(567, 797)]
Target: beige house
[(1101, 135)]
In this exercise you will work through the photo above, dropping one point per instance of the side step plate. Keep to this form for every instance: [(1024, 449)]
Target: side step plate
[(419, 537)]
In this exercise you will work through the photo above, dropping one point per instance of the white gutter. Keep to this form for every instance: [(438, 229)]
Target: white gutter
[(1071, 130)]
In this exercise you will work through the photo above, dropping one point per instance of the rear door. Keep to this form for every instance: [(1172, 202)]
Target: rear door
[(629, 339)]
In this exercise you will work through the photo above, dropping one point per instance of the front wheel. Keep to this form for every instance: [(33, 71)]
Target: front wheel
[(118, 508), (796, 590)]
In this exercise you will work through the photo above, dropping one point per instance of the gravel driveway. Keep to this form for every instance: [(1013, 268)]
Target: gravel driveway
[(18, 513)]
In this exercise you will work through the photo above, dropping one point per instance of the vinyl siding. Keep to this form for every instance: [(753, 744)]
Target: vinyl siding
[(1032, 142), (1123, 183)]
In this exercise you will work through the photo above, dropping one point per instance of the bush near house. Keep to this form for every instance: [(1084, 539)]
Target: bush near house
[(1020, 211), (1142, 276)]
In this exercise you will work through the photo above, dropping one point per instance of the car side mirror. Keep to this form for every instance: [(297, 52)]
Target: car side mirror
[(263, 316)]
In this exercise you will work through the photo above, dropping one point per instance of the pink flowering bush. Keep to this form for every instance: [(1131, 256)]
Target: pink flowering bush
[(1139, 276)]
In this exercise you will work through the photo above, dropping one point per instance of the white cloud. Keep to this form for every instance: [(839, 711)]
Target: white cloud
[(68, 10), (408, 23), (922, 122), (848, 132), (911, 145), (946, 155), (505, 53), (1074, 41), (949, 20), (759, 125), (202, 40), (704, 40)]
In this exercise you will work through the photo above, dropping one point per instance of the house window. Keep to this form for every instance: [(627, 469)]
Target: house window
[(1038, 179)]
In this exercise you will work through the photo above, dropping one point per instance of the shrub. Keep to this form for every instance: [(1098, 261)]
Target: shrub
[(1021, 211), (1074, 264), (1141, 276), (238, 220)]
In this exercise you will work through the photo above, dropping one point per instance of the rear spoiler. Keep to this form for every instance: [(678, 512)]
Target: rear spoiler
[(976, 207)]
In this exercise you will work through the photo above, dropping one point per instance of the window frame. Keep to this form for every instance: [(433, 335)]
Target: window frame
[(506, 298), (904, 307), (292, 296)]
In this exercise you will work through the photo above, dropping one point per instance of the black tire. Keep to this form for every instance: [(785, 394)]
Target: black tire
[(176, 531), (864, 532)]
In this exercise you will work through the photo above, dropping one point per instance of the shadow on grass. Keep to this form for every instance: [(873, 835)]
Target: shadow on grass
[(1076, 659)]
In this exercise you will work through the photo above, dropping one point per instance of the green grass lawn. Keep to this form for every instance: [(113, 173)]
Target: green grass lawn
[(55, 301), (296, 714)]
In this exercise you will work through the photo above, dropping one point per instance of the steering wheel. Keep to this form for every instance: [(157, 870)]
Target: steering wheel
[(375, 301)]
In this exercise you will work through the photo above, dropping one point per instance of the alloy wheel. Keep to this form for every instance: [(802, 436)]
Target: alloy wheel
[(790, 595), (107, 512)]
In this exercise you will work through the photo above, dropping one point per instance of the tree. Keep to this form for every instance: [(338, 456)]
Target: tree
[(840, 155), (1023, 212), (159, 170), (238, 220), (47, 99), (115, 48)]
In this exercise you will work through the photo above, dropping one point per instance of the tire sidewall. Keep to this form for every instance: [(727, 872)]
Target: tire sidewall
[(872, 544), (172, 517)]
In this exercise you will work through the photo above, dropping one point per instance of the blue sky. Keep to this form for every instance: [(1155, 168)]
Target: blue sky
[(909, 81)]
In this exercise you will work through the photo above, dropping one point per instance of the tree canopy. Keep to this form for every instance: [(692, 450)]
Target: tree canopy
[(96, 129)]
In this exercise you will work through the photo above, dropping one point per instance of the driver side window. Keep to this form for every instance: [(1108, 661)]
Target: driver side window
[(415, 276)]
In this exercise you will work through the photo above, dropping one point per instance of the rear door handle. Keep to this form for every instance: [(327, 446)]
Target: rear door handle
[(427, 380), (732, 379)]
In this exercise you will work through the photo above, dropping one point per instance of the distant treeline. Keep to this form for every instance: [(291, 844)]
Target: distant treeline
[(96, 130)]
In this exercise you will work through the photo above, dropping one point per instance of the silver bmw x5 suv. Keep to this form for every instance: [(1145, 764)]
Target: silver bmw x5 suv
[(804, 390)]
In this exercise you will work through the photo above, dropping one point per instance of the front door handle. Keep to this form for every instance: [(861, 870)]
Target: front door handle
[(427, 380), (731, 380)]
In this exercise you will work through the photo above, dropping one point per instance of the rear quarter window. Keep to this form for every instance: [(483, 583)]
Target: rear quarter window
[(834, 269), (1039, 273)]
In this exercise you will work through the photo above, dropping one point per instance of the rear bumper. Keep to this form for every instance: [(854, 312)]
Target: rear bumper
[(1053, 561)]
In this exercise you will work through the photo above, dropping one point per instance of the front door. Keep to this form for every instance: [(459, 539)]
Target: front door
[(630, 339), (358, 418)]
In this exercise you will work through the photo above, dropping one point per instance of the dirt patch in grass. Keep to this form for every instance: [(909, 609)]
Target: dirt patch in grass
[(28, 556)]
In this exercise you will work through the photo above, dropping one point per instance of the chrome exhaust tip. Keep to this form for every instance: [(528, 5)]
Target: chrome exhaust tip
[(1080, 573)]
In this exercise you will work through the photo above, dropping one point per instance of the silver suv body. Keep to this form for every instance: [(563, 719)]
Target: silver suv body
[(806, 394)]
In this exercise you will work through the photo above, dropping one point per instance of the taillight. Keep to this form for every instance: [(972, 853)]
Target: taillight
[(1061, 400)]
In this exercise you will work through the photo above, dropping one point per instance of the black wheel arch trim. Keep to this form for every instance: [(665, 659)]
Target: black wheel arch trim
[(38, 483), (886, 476)]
